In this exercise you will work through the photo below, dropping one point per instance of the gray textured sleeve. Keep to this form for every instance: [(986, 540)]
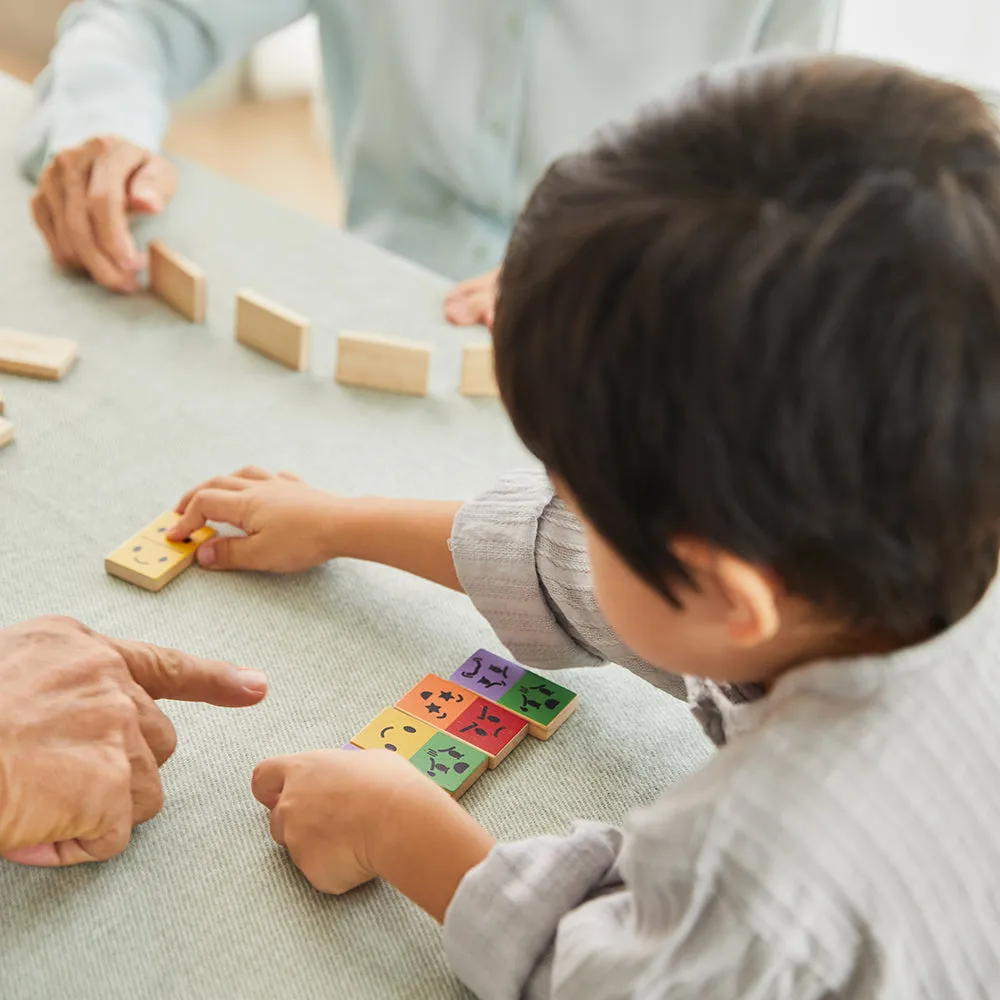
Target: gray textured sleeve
[(521, 556), (116, 66), (501, 924)]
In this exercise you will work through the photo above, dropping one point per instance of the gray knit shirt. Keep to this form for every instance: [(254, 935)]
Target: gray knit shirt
[(842, 844)]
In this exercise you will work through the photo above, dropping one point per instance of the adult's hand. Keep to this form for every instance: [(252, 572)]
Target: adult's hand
[(81, 739), (473, 301), (83, 202)]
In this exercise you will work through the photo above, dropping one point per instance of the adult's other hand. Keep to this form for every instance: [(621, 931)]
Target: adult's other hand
[(84, 200)]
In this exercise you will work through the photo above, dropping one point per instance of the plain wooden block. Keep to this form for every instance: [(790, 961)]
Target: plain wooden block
[(149, 561), (478, 378), (375, 362), (272, 330), (35, 355), (7, 433), (177, 282), (537, 699)]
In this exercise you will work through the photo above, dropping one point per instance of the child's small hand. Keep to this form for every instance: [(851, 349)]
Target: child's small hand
[(337, 811), (290, 526)]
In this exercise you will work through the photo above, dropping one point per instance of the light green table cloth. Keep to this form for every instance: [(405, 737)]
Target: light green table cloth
[(204, 906)]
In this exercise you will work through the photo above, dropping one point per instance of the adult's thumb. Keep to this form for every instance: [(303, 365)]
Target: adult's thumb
[(169, 673), (152, 186)]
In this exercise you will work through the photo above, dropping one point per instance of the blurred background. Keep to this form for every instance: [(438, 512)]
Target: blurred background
[(261, 122)]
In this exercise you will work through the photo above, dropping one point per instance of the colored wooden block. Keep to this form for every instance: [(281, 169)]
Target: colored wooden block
[(35, 355), (7, 433), (272, 330), (349, 746), (478, 378), (450, 763), (177, 281), (149, 561), (375, 362), (490, 728), (543, 704), (394, 730), (436, 701)]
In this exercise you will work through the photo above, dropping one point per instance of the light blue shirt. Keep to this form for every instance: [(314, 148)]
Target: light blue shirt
[(445, 112)]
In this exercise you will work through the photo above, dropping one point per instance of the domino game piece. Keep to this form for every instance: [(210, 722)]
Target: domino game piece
[(487, 726), (450, 763), (149, 561), (478, 378), (537, 699), (394, 730), (36, 356), (272, 330), (6, 432), (375, 362), (177, 281)]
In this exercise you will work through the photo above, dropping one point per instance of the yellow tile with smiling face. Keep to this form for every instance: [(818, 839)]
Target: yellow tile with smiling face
[(394, 730), (146, 564), (157, 530)]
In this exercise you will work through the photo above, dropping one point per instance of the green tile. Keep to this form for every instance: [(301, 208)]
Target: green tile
[(447, 760), (537, 698)]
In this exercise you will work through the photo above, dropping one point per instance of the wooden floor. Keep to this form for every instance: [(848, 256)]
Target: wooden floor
[(275, 147)]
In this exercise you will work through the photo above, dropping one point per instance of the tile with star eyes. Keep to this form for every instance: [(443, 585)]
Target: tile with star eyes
[(394, 730), (436, 701)]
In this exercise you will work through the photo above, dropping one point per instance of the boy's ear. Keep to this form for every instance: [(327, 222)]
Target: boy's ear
[(748, 592)]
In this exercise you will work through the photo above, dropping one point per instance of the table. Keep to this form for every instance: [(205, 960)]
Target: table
[(203, 906)]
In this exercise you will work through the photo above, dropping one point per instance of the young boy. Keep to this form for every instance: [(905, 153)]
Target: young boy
[(755, 341)]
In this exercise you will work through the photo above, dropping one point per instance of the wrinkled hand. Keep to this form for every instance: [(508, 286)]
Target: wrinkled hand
[(473, 301), (290, 526), (83, 202), (81, 739), (336, 810)]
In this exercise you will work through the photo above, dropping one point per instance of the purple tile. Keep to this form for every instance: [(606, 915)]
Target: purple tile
[(349, 746), (488, 674)]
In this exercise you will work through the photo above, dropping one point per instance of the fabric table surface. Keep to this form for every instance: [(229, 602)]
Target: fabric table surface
[(203, 906)]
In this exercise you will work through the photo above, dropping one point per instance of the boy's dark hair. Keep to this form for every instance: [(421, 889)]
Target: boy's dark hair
[(767, 315)]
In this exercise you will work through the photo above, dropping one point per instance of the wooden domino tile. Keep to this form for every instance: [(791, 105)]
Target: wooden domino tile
[(374, 362), (537, 699), (478, 378), (7, 432), (148, 560), (272, 330), (36, 356), (448, 761), (177, 281), (487, 726)]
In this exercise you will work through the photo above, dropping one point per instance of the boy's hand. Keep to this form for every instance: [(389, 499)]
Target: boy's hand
[(473, 301), (349, 817), (290, 526)]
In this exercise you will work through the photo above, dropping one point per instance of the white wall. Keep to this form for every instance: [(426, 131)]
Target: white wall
[(959, 39)]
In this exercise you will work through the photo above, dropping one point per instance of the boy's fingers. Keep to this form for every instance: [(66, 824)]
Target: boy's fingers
[(269, 781), (106, 197), (209, 505), (152, 186), (169, 673), (232, 483), (230, 552)]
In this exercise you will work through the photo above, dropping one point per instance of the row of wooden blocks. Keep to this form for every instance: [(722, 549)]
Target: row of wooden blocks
[(367, 360), (454, 728)]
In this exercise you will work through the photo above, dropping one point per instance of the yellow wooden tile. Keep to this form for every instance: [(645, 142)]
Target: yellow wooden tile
[(394, 730), (145, 563), (157, 530)]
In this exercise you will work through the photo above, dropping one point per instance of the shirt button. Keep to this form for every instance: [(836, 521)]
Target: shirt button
[(499, 128)]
